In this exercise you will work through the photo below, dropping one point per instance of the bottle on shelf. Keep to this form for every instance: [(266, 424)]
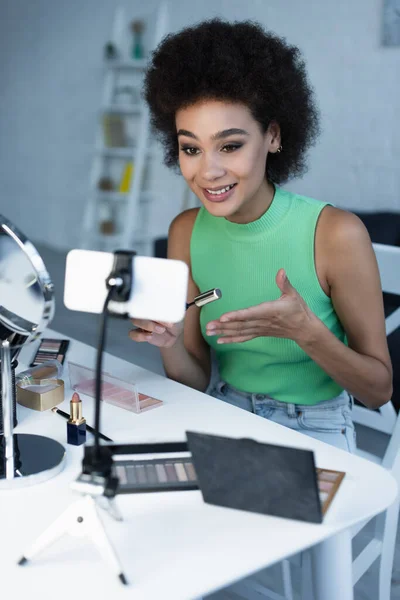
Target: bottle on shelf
[(137, 28)]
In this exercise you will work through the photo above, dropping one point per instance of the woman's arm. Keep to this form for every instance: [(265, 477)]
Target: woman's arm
[(346, 264), (188, 360)]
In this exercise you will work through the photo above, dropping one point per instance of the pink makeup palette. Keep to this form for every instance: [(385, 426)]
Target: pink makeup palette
[(115, 391)]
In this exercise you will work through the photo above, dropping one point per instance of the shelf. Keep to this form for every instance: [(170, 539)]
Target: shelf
[(128, 152), (127, 64), (113, 196), (109, 243), (122, 109), (117, 152)]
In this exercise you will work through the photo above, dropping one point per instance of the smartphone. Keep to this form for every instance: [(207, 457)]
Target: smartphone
[(158, 293)]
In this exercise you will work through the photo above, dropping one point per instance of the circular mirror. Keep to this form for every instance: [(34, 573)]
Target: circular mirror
[(26, 309), (26, 290)]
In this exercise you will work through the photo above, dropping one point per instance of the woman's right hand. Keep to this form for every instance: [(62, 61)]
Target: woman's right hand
[(163, 335)]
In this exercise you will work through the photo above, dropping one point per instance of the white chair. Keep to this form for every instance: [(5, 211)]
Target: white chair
[(382, 543)]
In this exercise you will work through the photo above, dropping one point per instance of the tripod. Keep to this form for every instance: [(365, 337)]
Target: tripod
[(81, 519), (96, 483)]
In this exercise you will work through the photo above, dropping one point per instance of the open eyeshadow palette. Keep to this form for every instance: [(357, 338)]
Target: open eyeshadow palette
[(50, 349), (328, 484), (114, 391), (288, 485)]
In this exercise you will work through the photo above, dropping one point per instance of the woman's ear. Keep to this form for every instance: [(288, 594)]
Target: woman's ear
[(273, 137)]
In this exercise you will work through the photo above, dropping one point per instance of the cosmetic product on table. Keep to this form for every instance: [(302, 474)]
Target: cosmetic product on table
[(50, 369), (263, 478), (66, 416), (40, 394), (206, 298), (237, 473), (115, 391), (76, 425), (50, 349)]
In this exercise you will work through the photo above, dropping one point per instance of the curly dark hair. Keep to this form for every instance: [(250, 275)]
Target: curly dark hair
[(235, 62)]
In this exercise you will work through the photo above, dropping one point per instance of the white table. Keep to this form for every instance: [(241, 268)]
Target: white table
[(173, 546)]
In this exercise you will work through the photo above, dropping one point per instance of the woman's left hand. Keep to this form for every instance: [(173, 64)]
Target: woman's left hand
[(288, 317)]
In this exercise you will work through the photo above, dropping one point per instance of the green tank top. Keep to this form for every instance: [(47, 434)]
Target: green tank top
[(243, 260)]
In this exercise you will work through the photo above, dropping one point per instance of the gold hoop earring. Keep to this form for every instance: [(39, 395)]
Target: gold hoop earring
[(279, 149)]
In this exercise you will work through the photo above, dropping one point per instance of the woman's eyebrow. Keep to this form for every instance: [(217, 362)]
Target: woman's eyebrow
[(217, 136)]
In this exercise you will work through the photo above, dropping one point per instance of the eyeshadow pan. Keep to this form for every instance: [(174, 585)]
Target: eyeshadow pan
[(131, 474), (151, 474), (328, 476), (325, 486), (190, 471), (323, 496), (140, 473), (121, 473), (161, 473), (171, 474), (180, 471)]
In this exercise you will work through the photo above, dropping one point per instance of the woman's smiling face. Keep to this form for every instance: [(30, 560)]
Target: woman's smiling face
[(223, 155)]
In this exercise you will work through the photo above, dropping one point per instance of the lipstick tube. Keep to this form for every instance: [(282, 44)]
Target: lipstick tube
[(76, 424)]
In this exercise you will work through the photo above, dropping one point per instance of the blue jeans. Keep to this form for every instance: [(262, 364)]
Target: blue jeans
[(329, 421)]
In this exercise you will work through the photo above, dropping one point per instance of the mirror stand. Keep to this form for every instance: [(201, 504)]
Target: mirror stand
[(27, 459)]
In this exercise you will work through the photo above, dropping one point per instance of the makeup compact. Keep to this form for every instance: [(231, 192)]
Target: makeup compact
[(40, 394), (263, 478), (236, 473)]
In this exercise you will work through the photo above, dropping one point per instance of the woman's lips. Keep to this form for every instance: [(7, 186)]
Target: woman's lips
[(219, 197)]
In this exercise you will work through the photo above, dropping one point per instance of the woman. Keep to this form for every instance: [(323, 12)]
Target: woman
[(300, 326)]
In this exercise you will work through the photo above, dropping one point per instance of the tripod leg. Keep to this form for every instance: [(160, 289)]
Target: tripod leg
[(59, 527), (79, 519), (97, 533), (109, 505)]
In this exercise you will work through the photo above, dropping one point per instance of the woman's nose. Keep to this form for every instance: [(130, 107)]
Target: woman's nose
[(212, 167)]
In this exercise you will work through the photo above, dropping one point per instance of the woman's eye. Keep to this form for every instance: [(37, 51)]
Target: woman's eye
[(189, 150), (230, 147)]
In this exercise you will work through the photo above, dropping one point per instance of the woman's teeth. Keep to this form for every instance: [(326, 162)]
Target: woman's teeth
[(222, 191)]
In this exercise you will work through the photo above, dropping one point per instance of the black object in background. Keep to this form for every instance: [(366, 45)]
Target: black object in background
[(384, 228), (160, 247), (262, 478)]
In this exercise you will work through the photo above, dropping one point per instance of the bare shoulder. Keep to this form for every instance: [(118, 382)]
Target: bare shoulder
[(343, 245), (184, 221), (338, 228), (180, 232)]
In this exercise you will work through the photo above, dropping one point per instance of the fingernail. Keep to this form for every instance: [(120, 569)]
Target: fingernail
[(159, 329), (224, 319), (149, 337)]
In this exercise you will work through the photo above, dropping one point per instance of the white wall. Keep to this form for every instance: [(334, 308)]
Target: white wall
[(50, 90)]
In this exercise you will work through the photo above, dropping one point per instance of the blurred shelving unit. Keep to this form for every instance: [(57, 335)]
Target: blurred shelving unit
[(117, 207)]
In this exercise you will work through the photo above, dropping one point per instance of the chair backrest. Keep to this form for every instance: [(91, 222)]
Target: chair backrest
[(388, 258)]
